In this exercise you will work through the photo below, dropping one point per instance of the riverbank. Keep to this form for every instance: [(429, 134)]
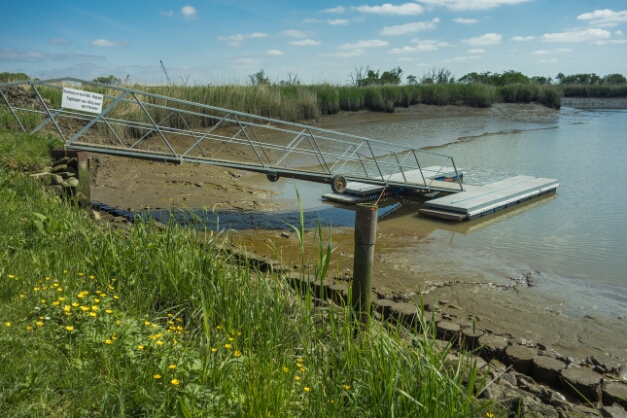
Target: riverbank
[(534, 309)]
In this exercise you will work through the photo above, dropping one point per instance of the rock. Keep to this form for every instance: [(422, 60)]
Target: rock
[(71, 182), (614, 411), (59, 168), (471, 337), (47, 179), (582, 382), (96, 216), (383, 306), (547, 369), (285, 234), (66, 174), (615, 392), (406, 313), (581, 411), (338, 293), (520, 357), (448, 331), (493, 346)]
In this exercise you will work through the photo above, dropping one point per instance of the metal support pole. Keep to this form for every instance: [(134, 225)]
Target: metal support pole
[(365, 237)]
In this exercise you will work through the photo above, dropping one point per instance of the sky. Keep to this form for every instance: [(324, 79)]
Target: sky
[(225, 41)]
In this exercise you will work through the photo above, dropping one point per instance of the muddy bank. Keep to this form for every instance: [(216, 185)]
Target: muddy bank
[(514, 306), (595, 102)]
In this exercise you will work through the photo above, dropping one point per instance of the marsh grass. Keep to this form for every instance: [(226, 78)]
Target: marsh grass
[(99, 323), (595, 91)]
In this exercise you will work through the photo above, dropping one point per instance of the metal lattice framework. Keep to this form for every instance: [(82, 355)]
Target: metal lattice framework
[(140, 124)]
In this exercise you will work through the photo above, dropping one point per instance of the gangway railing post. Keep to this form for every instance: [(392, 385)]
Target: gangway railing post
[(365, 237), (459, 180)]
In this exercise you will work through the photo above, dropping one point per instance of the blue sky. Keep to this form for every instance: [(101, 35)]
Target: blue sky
[(220, 41)]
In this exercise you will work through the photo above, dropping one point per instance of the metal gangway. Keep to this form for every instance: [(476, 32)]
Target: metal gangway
[(123, 121)]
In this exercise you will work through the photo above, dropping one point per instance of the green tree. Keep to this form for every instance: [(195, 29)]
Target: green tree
[(259, 78), (614, 79), (111, 80)]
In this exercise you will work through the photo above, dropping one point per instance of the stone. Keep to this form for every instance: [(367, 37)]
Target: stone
[(520, 357), (48, 179), (547, 369), (384, 307), (285, 234), (338, 293), (492, 346), (448, 331), (66, 174), (615, 392), (582, 382), (614, 411), (471, 337), (59, 168), (405, 313), (96, 216), (70, 183)]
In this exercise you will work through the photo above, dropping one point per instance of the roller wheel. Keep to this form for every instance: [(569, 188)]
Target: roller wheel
[(273, 177), (338, 184)]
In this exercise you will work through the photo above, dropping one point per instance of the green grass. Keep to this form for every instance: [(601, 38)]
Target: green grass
[(99, 323), (595, 91)]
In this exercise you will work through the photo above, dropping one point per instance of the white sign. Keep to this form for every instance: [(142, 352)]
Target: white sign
[(81, 100)]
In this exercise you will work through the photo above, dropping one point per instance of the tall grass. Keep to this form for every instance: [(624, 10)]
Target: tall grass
[(96, 322), (580, 90)]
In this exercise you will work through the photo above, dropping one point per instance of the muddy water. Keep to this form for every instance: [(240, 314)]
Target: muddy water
[(574, 240)]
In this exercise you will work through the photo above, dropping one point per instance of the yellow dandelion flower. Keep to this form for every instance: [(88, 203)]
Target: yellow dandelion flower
[(307, 389), (36, 289), (237, 353), (115, 297), (61, 298), (110, 287), (67, 308), (103, 295), (175, 382), (117, 322), (39, 324), (227, 346), (59, 289), (56, 303), (172, 366), (113, 337), (96, 300), (160, 343), (170, 322), (64, 271), (302, 369), (489, 415), (218, 327), (93, 314), (92, 277), (300, 360), (146, 323), (8, 324), (169, 315), (84, 308), (300, 366), (109, 311), (11, 276), (47, 278), (69, 328), (140, 347), (157, 376), (43, 301), (239, 334), (285, 369), (297, 378), (179, 328), (108, 341), (94, 308), (21, 296), (347, 387), (231, 339), (213, 350), (81, 274), (28, 328), (153, 325), (55, 284)]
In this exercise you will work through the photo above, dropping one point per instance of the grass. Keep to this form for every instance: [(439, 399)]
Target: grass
[(595, 91), (99, 323)]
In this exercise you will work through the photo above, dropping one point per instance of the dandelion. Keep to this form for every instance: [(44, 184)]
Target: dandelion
[(64, 271), (56, 303), (108, 341), (11, 276), (213, 349), (92, 277), (227, 346), (140, 347), (94, 308), (92, 314), (218, 327), (39, 324), (115, 297), (489, 415), (297, 378), (36, 289), (307, 389), (153, 325), (239, 334), (347, 387), (146, 323), (231, 339), (55, 285), (285, 369), (8, 324), (237, 353), (157, 376), (61, 298), (59, 289), (81, 274), (110, 287), (172, 366), (69, 328), (169, 315), (109, 311), (47, 278), (84, 308), (160, 343), (43, 301), (117, 322), (67, 308), (175, 382), (103, 295), (96, 300), (28, 328), (21, 296)]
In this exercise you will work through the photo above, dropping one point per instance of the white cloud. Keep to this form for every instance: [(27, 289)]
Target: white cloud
[(484, 40), (169, 13), (576, 36), (349, 54), (59, 41), (305, 42), (334, 22), (465, 21), (375, 43), (293, 33), (549, 61), (407, 9), (421, 45), (410, 27), (476, 51), (618, 33), (612, 42), (274, 52), (104, 42), (604, 18), (338, 9), (238, 38), (522, 38), (555, 51), (189, 12), (405, 59), (8, 54), (459, 5), (466, 58)]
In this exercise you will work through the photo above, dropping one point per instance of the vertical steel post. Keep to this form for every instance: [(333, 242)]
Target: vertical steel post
[(365, 237)]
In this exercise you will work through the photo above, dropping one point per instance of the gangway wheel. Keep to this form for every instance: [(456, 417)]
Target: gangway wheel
[(338, 184), (273, 177)]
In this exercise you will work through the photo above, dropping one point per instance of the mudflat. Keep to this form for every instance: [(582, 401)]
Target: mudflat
[(514, 308)]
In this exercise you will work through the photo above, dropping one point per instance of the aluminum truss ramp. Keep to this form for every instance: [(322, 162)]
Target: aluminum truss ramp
[(152, 125)]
